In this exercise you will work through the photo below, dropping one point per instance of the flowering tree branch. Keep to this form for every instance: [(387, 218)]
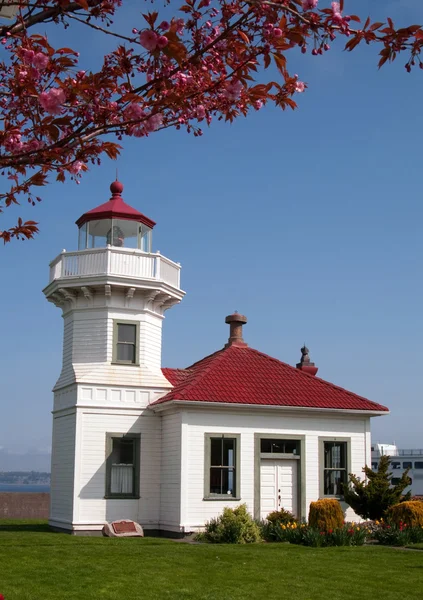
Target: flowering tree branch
[(207, 62)]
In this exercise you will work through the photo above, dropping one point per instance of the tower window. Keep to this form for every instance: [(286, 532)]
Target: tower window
[(125, 343), (122, 465)]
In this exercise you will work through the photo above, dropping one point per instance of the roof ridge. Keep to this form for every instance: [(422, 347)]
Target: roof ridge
[(194, 365)]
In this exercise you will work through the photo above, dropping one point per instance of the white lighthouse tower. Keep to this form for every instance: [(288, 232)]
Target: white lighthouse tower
[(113, 292)]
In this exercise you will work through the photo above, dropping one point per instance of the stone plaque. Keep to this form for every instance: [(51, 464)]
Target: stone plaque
[(123, 528)]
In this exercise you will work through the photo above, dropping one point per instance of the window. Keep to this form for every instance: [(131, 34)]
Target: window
[(418, 465), (407, 465), (374, 466), (221, 466), (395, 465), (122, 465), (334, 467), (271, 446), (125, 346)]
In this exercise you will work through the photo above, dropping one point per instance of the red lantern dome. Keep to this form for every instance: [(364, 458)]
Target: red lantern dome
[(115, 223)]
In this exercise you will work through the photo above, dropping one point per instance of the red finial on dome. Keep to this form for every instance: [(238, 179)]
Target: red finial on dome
[(116, 188)]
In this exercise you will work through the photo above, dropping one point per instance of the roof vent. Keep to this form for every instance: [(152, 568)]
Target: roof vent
[(235, 322)]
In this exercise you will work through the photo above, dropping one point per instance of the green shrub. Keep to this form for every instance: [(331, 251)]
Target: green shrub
[(406, 513), (371, 497), (326, 514), (282, 516), (233, 526)]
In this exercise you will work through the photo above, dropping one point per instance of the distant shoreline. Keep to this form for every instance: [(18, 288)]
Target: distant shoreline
[(22, 487)]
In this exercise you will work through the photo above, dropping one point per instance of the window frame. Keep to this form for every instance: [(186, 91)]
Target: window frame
[(207, 466), (137, 460), (348, 470), (116, 323)]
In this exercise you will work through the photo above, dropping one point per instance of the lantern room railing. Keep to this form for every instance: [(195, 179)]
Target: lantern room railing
[(124, 262)]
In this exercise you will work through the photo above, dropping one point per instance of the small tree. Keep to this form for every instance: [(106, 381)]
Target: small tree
[(372, 497)]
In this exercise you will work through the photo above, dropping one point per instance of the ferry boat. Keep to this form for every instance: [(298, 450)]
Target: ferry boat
[(402, 459)]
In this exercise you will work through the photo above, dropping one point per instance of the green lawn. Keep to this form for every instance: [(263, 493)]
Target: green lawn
[(38, 565)]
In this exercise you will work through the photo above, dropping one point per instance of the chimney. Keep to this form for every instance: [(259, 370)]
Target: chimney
[(235, 321), (305, 364)]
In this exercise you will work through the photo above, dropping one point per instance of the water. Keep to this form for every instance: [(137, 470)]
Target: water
[(19, 487)]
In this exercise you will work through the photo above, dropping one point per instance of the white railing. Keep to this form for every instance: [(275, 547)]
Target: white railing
[(124, 262)]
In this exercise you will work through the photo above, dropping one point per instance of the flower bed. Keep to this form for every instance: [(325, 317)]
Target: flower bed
[(349, 534), (397, 535)]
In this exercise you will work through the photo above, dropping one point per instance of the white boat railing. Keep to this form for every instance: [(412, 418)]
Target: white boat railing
[(124, 262)]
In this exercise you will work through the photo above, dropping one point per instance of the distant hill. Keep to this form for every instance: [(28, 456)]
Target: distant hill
[(25, 477), (30, 461)]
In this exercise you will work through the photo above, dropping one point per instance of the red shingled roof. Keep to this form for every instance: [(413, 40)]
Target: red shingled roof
[(242, 375)]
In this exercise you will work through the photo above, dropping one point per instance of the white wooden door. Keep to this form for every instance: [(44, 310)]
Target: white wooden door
[(278, 486)]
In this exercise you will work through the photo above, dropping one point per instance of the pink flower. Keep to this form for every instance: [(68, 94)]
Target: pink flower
[(336, 12), (52, 100), (164, 26), (76, 167), (299, 87), (162, 42), (40, 61), (134, 111), (309, 4), (201, 112), (154, 122), (233, 90), (277, 32), (27, 55), (148, 39), (13, 142), (180, 24)]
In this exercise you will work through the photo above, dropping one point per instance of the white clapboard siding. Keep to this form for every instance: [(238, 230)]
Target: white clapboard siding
[(88, 350), (92, 509), (170, 505), (62, 469), (198, 422)]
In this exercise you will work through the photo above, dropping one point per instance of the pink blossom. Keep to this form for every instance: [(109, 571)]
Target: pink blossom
[(148, 39), (13, 142), (40, 61), (233, 90), (162, 42), (180, 24), (277, 33), (336, 12), (52, 100), (154, 122), (27, 55), (258, 104), (164, 26), (200, 112), (300, 87), (309, 4), (76, 167), (134, 111)]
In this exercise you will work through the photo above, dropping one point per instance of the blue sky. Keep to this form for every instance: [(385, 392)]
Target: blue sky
[(309, 222)]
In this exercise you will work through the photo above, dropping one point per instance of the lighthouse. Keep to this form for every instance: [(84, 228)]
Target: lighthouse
[(113, 292)]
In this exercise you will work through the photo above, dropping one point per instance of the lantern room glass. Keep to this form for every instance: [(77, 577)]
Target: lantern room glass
[(120, 233)]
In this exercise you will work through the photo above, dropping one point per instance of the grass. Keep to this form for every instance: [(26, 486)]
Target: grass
[(36, 564), (416, 546)]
